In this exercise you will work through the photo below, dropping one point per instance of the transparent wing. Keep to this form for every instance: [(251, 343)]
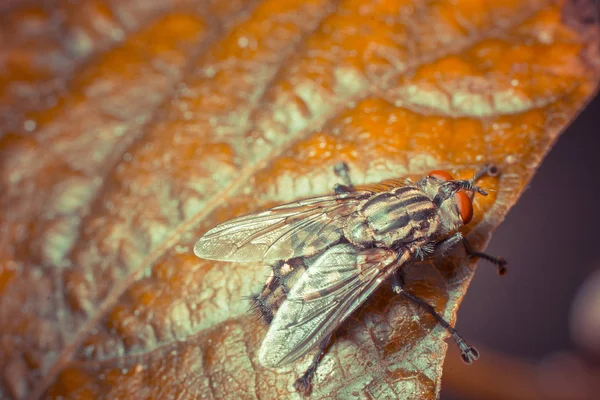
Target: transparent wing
[(385, 185), (290, 230), (325, 295)]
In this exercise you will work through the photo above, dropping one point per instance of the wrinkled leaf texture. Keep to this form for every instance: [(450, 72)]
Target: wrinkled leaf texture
[(130, 127)]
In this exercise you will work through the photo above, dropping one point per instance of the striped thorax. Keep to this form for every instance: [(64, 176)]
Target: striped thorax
[(403, 215)]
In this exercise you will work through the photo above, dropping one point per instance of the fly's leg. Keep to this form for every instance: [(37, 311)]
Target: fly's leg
[(468, 352), (263, 302), (442, 247), (498, 261), (447, 244), (341, 169), (304, 383), (259, 304)]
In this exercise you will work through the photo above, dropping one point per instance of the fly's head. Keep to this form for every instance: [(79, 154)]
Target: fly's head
[(454, 197)]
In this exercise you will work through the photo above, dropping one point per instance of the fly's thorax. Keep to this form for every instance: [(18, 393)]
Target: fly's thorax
[(358, 231), (401, 215)]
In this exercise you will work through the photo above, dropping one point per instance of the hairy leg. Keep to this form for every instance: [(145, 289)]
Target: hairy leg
[(498, 261), (468, 352), (304, 383), (445, 245), (341, 169)]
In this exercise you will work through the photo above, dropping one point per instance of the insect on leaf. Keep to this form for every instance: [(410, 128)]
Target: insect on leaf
[(130, 128)]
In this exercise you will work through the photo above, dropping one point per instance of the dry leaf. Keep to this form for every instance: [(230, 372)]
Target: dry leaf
[(131, 127)]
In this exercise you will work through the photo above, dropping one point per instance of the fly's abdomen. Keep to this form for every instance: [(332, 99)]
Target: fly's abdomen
[(402, 215)]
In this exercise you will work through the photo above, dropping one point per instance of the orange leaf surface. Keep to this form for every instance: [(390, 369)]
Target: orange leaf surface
[(129, 128)]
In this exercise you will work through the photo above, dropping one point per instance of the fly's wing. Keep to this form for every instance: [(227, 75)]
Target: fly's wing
[(385, 185), (333, 287), (283, 232)]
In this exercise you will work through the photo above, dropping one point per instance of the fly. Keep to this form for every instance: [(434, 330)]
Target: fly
[(330, 253)]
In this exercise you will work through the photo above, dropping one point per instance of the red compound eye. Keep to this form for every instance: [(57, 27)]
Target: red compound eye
[(465, 206), (441, 175), (463, 201)]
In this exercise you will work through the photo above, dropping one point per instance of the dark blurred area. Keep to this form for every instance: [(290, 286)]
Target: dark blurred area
[(550, 238)]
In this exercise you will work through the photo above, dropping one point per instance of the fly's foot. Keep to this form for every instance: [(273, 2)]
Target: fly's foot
[(468, 353), (486, 169), (492, 170), (303, 385), (341, 189), (499, 262)]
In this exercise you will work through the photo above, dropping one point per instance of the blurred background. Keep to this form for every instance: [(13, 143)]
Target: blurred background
[(541, 314)]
